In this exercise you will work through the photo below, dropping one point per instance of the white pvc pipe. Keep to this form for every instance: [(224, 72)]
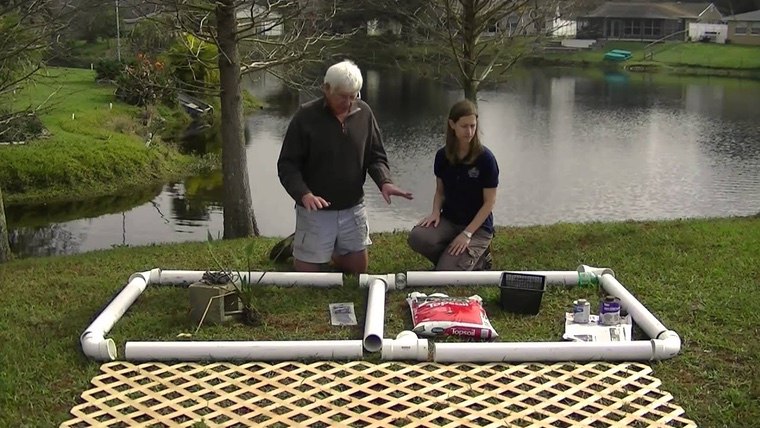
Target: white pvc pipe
[(282, 279), (406, 346), (642, 316), (250, 351), (375, 318), (644, 319), (93, 341), (443, 278), (176, 277), (638, 350)]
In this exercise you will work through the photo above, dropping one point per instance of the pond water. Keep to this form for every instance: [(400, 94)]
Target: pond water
[(572, 146)]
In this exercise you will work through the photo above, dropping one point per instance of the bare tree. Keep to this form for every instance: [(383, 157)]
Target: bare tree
[(276, 36), (484, 37), (28, 30)]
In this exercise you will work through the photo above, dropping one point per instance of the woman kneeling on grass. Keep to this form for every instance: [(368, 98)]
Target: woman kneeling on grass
[(457, 234)]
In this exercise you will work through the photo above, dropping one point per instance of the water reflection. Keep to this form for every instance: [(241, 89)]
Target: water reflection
[(41, 229), (163, 215), (572, 146), (36, 215)]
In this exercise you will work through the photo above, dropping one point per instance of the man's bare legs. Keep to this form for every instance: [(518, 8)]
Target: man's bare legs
[(352, 263), (301, 266)]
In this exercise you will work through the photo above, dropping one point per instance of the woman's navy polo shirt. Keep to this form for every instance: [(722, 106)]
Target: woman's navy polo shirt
[(463, 186)]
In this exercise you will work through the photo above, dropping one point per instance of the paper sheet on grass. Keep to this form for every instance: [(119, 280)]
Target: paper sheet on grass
[(342, 314), (595, 332)]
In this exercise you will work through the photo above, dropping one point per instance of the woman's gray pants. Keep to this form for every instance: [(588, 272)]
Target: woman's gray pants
[(432, 242)]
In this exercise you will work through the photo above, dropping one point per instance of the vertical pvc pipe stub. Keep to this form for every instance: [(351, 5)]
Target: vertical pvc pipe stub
[(373, 343)]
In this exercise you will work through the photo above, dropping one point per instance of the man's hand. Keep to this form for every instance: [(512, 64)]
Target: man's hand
[(390, 189), (311, 202)]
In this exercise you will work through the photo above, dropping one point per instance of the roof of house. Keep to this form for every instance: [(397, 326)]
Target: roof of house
[(669, 10), (747, 16)]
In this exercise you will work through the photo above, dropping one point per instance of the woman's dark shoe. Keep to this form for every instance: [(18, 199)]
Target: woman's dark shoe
[(486, 260)]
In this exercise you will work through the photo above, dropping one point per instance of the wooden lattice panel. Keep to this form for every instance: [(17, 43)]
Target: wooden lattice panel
[(363, 394)]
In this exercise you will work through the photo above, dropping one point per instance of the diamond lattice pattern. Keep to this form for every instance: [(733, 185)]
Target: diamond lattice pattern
[(364, 394)]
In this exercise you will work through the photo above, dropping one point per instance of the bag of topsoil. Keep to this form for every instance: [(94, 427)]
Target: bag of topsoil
[(441, 315)]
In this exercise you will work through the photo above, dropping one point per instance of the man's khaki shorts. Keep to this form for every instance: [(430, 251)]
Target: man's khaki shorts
[(322, 233)]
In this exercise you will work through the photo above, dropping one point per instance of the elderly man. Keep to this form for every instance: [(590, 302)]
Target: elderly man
[(330, 146)]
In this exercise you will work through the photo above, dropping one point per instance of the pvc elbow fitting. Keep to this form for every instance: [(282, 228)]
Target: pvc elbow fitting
[(150, 277), (97, 347), (667, 345)]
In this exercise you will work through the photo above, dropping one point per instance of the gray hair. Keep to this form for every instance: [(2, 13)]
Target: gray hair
[(344, 75)]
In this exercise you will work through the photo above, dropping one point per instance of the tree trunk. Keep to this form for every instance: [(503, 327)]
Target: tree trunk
[(471, 90), (5, 248), (239, 220), (469, 41)]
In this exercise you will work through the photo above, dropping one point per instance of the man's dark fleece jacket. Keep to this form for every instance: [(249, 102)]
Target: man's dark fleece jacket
[(329, 159)]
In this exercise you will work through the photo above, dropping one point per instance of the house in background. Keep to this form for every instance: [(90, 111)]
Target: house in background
[(562, 25), (259, 21), (645, 21), (744, 28)]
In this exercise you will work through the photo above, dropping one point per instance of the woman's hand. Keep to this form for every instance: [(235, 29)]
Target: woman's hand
[(459, 245), (431, 220)]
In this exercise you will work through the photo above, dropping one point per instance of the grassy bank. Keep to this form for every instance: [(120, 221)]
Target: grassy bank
[(677, 57), (96, 146), (699, 277)]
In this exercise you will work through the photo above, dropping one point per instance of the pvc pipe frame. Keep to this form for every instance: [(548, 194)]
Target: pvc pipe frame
[(664, 343), (96, 346)]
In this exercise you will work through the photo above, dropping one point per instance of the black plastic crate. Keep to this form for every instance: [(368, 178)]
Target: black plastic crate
[(521, 293)]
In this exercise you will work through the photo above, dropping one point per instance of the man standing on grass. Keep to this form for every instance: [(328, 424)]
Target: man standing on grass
[(330, 146)]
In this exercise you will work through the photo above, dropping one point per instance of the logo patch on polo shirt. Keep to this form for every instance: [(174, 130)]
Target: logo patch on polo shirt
[(473, 172)]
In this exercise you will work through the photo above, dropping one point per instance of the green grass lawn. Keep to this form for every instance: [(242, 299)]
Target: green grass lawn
[(82, 54), (711, 56), (672, 54), (699, 277), (96, 145)]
